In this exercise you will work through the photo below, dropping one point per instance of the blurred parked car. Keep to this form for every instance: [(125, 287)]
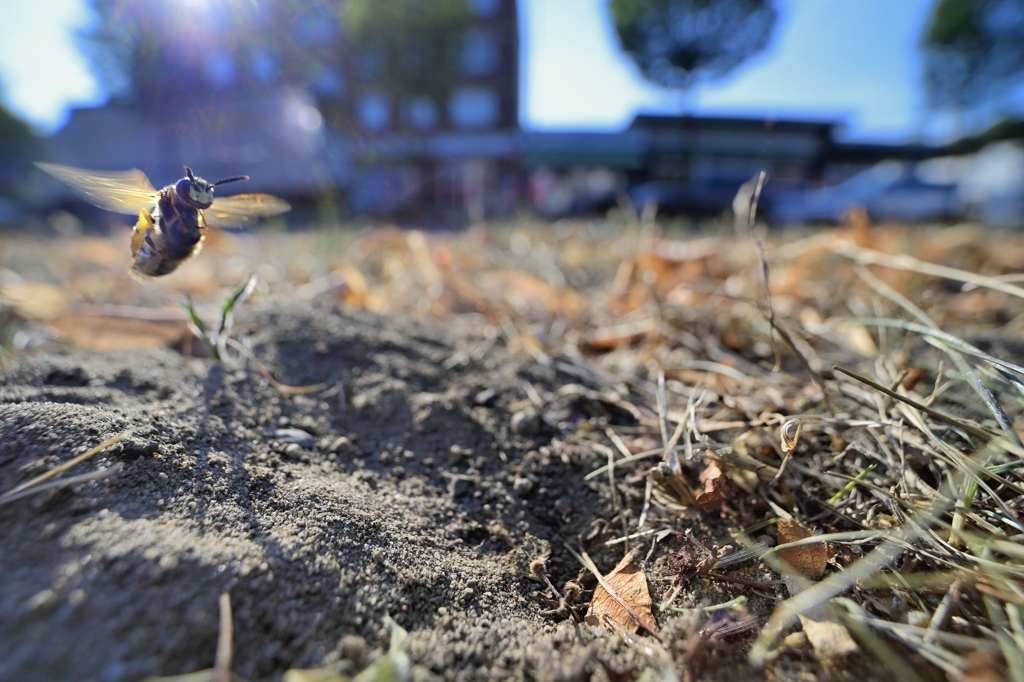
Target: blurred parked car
[(887, 191)]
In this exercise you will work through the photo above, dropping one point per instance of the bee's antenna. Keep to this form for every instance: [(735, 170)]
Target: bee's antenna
[(188, 172), (227, 180)]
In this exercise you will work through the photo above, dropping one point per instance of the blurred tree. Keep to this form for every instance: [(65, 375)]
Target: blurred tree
[(154, 50), (676, 43), (19, 146), (973, 49), (17, 141), (161, 51), (407, 46)]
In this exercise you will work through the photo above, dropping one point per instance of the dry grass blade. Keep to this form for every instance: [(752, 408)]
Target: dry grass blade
[(790, 436), (1011, 650), (946, 338), (911, 264), (278, 386), (625, 460), (61, 483), (762, 177), (963, 426), (951, 345), (610, 454), (221, 670), (853, 618), (225, 638), (814, 595), (9, 495)]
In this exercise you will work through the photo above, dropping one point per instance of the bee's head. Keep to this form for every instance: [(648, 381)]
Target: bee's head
[(198, 192)]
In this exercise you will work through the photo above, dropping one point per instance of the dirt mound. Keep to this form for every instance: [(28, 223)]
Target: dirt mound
[(414, 487)]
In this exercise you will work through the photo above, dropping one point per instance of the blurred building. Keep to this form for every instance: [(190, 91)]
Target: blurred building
[(313, 114), (451, 148), (693, 164)]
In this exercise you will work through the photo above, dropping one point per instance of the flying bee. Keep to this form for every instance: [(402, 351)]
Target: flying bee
[(173, 220)]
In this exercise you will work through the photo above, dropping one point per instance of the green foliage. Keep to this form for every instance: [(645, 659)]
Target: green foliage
[(677, 43), (17, 141), (158, 51), (1006, 129), (19, 146), (973, 50), (409, 46), (162, 50)]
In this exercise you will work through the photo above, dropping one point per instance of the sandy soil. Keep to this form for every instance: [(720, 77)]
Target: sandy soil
[(419, 485), (418, 491)]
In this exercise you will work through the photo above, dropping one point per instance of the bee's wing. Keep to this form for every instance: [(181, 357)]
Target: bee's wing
[(122, 192), (242, 208)]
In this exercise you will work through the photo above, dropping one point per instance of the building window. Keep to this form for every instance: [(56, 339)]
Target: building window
[(484, 8), (480, 53), (374, 112), (420, 113), (473, 108)]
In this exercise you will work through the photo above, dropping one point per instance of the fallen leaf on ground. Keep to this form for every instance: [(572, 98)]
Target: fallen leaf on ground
[(34, 300), (630, 584), (808, 560), (716, 486), (828, 636), (120, 331), (914, 375), (857, 338)]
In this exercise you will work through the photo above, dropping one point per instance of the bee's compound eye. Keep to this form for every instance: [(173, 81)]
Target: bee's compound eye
[(183, 188)]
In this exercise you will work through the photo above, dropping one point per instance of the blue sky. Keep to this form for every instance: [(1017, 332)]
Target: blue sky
[(852, 61)]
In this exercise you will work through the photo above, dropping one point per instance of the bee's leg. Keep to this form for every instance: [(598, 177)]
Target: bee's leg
[(141, 230)]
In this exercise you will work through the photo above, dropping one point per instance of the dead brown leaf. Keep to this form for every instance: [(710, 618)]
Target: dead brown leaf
[(809, 560), (829, 638), (914, 376), (34, 300), (630, 584), (604, 340), (128, 330), (716, 487)]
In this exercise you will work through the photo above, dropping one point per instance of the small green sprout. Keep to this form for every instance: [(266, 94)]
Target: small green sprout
[(218, 339)]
